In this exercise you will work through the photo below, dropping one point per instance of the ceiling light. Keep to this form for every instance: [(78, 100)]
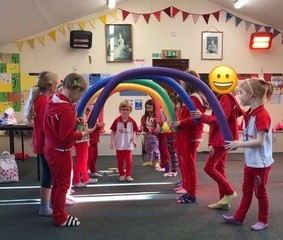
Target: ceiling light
[(111, 3), (240, 3), (261, 40)]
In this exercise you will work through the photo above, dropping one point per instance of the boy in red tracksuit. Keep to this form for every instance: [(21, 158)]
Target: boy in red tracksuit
[(60, 135), (216, 160)]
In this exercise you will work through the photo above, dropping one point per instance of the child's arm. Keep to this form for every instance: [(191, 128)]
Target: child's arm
[(135, 139), (112, 137), (233, 145)]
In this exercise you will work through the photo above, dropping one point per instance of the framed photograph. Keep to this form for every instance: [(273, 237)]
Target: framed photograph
[(212, 45), (118, 41)]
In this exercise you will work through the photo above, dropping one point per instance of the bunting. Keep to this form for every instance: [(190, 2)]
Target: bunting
[(169, 11)]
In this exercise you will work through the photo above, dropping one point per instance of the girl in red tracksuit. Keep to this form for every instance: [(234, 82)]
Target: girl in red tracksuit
[(216, 160), (34, 112), (188, 140), (60, 135)]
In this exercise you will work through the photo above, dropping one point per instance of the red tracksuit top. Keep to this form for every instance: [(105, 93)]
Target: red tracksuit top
[(60, 123), (231, 111), (39, 114), (188, 128)]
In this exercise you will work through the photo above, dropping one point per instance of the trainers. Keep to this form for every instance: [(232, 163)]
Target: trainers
[(177, 188), (91, 181), (227, 199), (79, 185), (179, 184), (259, 226), (166, 174), (181, 191), (129, 179), (96, 174), (160, 169), (186, 199), (173, 174), (147, 163), (231, 220), (45, 212), (217, 206), (122, 178)]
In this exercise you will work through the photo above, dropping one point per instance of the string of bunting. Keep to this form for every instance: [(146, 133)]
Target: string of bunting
[(169, 11)]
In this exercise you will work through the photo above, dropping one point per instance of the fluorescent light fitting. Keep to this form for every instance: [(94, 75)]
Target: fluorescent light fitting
[(111, 3), (240, 3)]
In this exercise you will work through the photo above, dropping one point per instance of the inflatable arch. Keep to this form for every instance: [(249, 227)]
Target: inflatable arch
[(160, 72)]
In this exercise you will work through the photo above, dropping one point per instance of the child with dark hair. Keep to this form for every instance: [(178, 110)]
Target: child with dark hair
[(151, 128)]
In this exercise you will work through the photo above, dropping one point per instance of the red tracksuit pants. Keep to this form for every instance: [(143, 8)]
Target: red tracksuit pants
[(189, 170), (80, 168), (215, 168), (124, 156), (61, 165), (255, 180), (92, 156)]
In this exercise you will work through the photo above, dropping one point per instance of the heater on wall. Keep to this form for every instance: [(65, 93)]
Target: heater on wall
[(81, 39)]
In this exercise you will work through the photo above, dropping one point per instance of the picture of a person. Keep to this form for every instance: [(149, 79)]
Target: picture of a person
[(212, 46)]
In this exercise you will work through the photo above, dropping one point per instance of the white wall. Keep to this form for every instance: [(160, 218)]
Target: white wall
[(153, 37)]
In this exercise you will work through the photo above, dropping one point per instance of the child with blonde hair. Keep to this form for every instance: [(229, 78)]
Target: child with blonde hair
[(257, 141), (123, 139)]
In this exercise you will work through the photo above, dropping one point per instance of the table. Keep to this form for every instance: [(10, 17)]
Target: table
[(21, 128)]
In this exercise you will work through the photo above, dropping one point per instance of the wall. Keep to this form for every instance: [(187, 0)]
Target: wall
[(169, 33)]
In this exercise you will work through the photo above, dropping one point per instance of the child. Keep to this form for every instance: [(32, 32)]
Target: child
[(60, 135), (216, 160), (123, 138), (47, 84), (81, 178), (188, 140), (93, 149), (151, 128), (257, 141)]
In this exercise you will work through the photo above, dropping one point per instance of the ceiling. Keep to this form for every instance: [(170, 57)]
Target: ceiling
[(41, 15)]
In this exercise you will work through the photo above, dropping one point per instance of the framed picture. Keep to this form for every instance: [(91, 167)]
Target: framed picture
[(212, 45), (118, 41)]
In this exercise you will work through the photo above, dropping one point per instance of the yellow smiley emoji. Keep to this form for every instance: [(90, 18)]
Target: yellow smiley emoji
[(223, 79)]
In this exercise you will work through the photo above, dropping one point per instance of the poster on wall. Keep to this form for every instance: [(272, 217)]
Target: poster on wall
[(10, 84)]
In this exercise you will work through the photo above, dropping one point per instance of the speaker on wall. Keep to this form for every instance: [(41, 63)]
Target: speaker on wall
[(80, 39)]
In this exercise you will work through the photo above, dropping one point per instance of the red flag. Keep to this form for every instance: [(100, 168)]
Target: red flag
[(125, 14)]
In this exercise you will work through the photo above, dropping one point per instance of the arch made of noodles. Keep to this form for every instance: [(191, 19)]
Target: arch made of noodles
[(153, 94), (169, 81), (173, 73)]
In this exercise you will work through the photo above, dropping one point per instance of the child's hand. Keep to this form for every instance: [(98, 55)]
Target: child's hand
[(100, 125), (196, 114), (111, 145), (135, 144), (231, 145)]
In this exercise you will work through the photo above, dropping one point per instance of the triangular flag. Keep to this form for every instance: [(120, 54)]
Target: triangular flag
[(216, 15), (157, 15), (20, 45), (31, 43), (136, 17), (247, 24), (146, 17), (206, 17), (125, 14), (70, 26), (103, 19), (174, 11), (275, 33), (92, 22), (267, 29), (257, 27), (52, 35), (185, 15), (114, 14), (195, 17), (228, 16), (168, 11), (61, 29), (42, 39), (82, 25), (238, 21)]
